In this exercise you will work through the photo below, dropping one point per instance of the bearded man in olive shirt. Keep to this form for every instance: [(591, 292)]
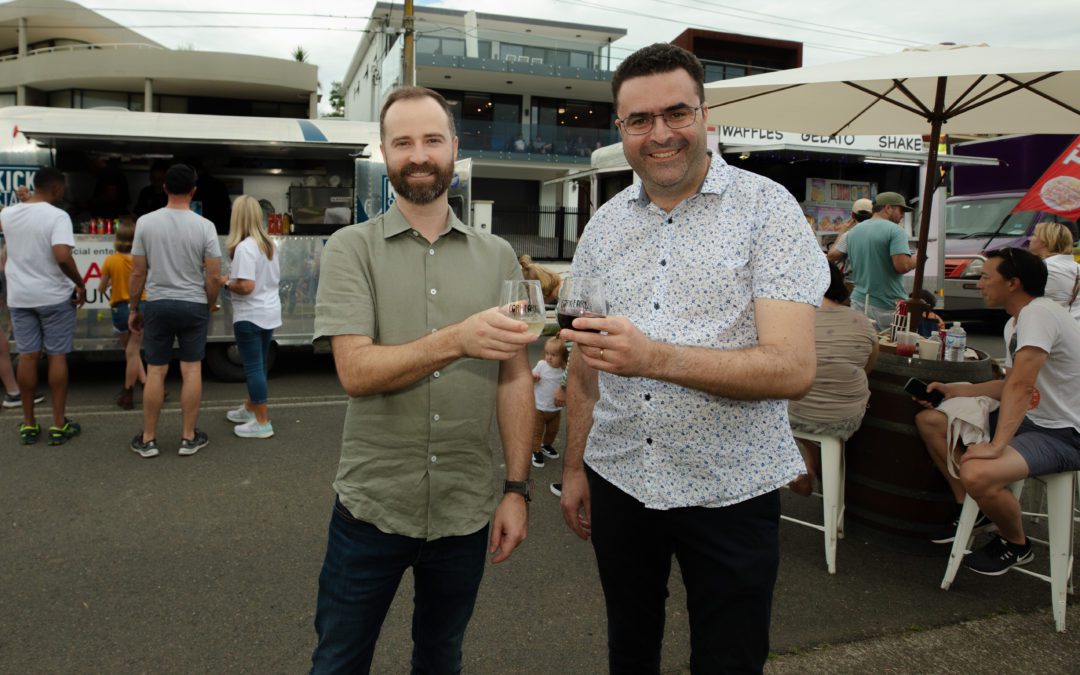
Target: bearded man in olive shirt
[(407, 300)]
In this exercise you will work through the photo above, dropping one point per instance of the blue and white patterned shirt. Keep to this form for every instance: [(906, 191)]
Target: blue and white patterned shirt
[(689, 277)]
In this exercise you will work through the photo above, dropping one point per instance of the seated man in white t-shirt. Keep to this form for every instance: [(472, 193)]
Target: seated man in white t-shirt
[(1037, 428)]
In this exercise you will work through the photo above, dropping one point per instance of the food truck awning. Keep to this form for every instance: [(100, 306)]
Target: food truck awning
[(166, 134)]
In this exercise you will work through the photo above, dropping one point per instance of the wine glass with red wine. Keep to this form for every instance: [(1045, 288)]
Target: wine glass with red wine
[(581, 297)]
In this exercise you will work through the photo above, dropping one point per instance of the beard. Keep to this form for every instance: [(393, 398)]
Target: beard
[(421, 194)]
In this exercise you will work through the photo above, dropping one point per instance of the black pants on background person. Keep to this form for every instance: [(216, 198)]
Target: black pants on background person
[(728, 556)]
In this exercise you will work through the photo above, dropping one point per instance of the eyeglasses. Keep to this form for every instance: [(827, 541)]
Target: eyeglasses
[(675, 118)]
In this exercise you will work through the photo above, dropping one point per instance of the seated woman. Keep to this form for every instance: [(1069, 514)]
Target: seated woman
[(549, 281), (1053, 242), (847, 348)]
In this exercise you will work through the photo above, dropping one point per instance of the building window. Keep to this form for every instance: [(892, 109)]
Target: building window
[(548, 57), (440, 46), (485, 121), (569, 127)]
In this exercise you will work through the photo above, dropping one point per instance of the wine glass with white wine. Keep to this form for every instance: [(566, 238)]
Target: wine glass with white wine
[(524, 301)]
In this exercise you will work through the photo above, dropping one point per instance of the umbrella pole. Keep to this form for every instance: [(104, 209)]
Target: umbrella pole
[(917, 308)]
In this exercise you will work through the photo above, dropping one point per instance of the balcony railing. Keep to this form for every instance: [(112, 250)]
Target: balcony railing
[(523, 66), (536, 142), (83, 47)]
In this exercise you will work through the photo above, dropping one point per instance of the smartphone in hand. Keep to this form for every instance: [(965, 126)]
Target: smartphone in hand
[(917, 388)]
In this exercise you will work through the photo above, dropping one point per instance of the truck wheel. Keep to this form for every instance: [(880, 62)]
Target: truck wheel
[(225, 364)]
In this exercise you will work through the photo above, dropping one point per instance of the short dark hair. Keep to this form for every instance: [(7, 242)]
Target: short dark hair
[(1019, 263), (409, 93), (837, 290), (47, 178), (180, 179), (860, 216), (658, 58)]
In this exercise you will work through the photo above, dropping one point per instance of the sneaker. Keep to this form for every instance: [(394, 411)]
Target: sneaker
[(556, 489), (253, 429), (189, 446), (28, 433), (61, 435), (15, 400), (240, 415), (126, 399), (538, 460), (147, 449), (946, 533), (998, 556), (549, 452)]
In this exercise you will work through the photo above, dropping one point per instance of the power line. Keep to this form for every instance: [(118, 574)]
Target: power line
[(819, 27), (624, 11)]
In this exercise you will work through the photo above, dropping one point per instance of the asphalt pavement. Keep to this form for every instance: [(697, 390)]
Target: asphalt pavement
[(110, 563)]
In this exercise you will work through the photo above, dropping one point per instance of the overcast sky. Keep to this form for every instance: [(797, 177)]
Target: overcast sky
[(831, 30)]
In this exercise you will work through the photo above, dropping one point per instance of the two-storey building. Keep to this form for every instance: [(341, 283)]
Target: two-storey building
[(59, 54), (531, 98)]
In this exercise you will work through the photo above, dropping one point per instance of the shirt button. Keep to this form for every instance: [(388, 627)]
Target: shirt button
[(434, 329), (415, 233), (433, 291), (435, 417), (649, 441), (434, 459), (648, 397), (431, 251), (656, 305), (663, 263), (435, 374)]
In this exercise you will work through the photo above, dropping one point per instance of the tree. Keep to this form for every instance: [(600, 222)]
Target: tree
[(300, 54), (337, 100)]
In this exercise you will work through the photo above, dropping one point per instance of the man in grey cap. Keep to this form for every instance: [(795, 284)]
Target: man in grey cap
[(880, 256)]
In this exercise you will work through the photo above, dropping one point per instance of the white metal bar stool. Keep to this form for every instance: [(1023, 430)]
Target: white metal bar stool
[(1060, 496), (832, 488)]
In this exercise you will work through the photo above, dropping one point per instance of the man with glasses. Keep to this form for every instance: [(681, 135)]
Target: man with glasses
[(879, 255), (678, 436), (1035, 431)]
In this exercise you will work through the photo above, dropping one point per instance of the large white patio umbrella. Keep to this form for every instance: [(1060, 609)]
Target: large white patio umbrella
[(960, 89)]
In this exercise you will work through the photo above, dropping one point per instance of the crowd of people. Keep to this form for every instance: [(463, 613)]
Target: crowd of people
[(162, 283)]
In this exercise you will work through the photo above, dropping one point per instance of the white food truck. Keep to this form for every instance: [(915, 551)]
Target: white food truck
[(314, 176)]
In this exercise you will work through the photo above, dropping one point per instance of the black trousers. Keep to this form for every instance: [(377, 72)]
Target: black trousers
[(728, 557)]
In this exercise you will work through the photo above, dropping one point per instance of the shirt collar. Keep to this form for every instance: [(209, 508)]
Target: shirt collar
[(716, 180), (394, 223)]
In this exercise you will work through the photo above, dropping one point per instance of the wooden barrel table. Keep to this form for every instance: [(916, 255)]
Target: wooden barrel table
[(892, 485)]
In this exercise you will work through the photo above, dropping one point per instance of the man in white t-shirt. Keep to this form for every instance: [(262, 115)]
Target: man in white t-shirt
[(1037, 428), (176, 256), (44, 290)]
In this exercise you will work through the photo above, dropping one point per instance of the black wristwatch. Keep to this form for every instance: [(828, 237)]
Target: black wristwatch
[(521, 487)]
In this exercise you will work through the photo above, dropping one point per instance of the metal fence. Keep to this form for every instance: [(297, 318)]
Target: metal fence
[(543, 232)]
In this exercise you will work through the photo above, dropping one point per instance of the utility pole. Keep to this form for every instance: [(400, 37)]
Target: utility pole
[(408, 77)]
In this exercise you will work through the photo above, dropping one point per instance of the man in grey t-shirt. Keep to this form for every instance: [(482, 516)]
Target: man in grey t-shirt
[(177, 260)]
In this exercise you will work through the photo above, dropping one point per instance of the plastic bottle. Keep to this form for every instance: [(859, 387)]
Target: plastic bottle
[(955, 343)]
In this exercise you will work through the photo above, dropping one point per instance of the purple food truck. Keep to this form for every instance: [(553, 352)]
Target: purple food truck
[(978, 217)]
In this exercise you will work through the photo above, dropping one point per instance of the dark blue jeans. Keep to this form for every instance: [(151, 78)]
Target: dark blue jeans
[(728, 558), (359, 578), (253, 343)]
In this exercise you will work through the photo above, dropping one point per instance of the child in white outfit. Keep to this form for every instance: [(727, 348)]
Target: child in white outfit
[(547, 376)]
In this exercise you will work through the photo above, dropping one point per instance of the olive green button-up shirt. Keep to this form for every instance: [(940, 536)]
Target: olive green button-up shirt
[(417, 461)]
